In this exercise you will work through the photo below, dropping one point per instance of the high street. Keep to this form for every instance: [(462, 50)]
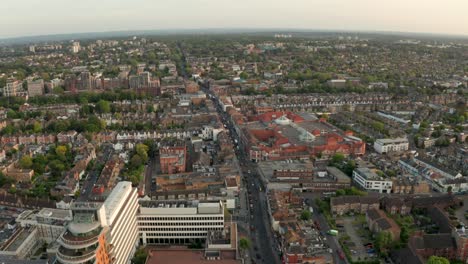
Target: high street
[(265, 249)]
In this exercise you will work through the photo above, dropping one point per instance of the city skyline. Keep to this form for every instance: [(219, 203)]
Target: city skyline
[(52, 17)]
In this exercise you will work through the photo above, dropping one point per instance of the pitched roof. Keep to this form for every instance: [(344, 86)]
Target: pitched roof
[(438, 241), (383, 224), (404, 256), (373, 214)]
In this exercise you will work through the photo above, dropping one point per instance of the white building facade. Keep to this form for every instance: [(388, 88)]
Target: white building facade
[(121, 212), (102, 232), (387, 145), (178, 222), (370, 181)]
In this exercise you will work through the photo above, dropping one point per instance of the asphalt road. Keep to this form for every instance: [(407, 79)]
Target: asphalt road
[(149, 173), (264, 246), (332, 241), (88, 184)]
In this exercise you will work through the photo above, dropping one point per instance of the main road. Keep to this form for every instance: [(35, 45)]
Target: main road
[(323, 225), (265, 248)]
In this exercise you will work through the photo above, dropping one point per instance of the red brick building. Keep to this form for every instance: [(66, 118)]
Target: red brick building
[(426, 245), (45, 139), (173, 158), (25, 140), (191, 87), (284, 135)]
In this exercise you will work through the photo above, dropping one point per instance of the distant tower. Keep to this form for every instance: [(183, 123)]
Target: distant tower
[(76, 47)]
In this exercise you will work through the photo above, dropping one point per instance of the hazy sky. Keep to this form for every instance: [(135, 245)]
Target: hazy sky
[(39, 17)]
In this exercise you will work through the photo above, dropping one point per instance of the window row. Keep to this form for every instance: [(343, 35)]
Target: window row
[(160, 218), (146, 229), (180, 223), (177, 234), (171, 240)]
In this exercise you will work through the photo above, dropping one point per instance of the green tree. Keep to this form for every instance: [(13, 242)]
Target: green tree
[(12, 114), (306, 215), (140, 256), (244, 75), (340, 192), (438, 260), (136, 161), (8, 130), (103, 107), (142, 151), (384, 241), (37, 128), (449, 189), (25, 162), (379, 126), (244, 243), (4, 180), (61, 151), (149, 108), (404, 234), (56, 167), (58, 90), (39, 164), (338, 158), (442, 142)]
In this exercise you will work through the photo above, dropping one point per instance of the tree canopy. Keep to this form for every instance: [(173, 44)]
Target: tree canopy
[(438, 260), (306, 215), (26, 162), (244, 243)]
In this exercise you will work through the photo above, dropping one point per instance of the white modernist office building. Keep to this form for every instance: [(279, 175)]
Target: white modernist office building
[(121, 210), (178, 222), (370, 181), (387, 145), (102, 232)]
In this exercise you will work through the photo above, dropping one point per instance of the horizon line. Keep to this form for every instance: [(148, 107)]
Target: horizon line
[(239, 30)]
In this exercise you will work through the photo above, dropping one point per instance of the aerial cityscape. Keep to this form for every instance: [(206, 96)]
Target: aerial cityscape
[(233, 144)]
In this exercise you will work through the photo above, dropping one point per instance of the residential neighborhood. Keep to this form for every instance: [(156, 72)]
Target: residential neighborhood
[(269, 148)]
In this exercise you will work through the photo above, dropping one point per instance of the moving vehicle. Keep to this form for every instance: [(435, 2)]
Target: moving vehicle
[(340, 254), (332, 232), (317, 225)]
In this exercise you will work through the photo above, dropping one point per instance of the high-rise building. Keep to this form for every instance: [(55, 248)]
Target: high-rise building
[(143, 83), (32, 48), (86, 81), (70, 83), (76, 47), (102, 233), (36, 88), (145, 78), (134, 82), (14, 88)]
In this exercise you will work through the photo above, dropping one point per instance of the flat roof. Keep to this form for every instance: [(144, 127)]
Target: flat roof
[(268, 167), (55, 213), (18, 240), (12, 260), (368, 174), (341, 176), (178, 204), (86, 205), (391, 140), (116, 199)]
